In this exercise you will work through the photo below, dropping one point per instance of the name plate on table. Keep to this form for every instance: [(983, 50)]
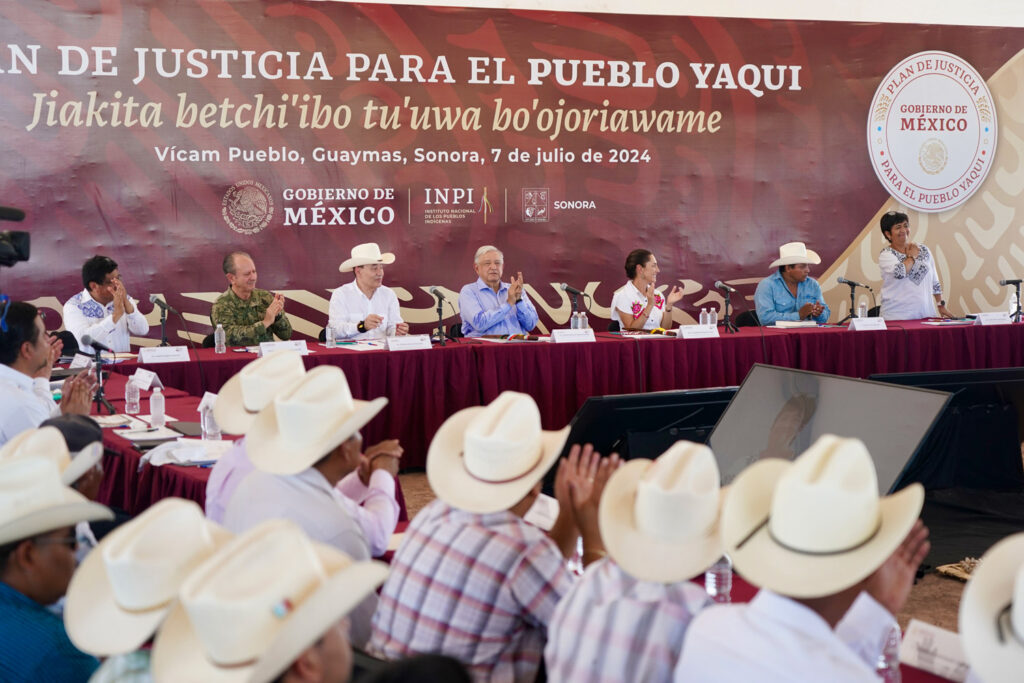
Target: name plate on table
[(80, 361), (993, 318), (408, 342), (573, 336), (861, 324), (292, 345), (146, 379), (698, 332), (935, 650), (163, 354)]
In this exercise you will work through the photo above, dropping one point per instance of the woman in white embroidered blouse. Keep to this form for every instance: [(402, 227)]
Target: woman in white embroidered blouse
[(910, 284), (637, 305)]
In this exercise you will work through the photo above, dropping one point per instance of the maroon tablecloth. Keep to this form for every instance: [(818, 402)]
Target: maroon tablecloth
[(132, 489)]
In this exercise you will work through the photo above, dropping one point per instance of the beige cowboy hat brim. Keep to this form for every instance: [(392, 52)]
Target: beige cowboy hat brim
[(452, 482), (78, 464), (73, 509), (989, 591), (272, 451), (765, 563), (639, 555), (810, 257), (179, 655), (386, 259), (95, 622), (229, 410)]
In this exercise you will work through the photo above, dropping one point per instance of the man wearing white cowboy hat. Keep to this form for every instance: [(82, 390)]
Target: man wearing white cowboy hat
[(369, 491), (626, 618), (303, 443), (834, 562), (471, 579), (365, 308), (37, 543), (992, 613), (790, 293), (490, 306), (124, 590), (269, 605)]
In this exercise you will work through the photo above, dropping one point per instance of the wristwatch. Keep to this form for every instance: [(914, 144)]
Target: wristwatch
[(361, 326)]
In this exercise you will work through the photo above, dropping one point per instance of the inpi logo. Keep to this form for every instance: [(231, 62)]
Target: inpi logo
[(447, 196)]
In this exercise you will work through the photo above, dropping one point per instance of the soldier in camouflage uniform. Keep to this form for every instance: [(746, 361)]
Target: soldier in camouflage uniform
[(249, 315)]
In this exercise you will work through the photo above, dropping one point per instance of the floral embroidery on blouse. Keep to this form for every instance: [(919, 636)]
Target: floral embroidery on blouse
[(638, 308), (919, 269)]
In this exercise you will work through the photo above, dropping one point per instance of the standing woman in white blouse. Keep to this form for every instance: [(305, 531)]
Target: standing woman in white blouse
[(637, 305), (910, 284)]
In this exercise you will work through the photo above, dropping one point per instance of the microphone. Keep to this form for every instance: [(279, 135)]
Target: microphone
[(154, 299), (89, 341), (1009, 282), (438, 293), (724, 287), (570, 289), (8, 213), (844, 281)]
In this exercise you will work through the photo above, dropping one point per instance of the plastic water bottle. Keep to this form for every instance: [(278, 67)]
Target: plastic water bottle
[(156, 408), (329, 337), (211, 430), (888, 665), (713, 317), (704, 317), (584, 320), (718, 580), (220, 339), (862, 309), (574, 321), (131, 398)]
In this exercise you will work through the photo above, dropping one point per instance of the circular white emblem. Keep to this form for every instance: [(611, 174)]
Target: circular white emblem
[(932, 131), (247, 207)]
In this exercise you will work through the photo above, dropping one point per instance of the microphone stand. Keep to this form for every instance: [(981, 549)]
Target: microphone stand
[(1016, 316), (163, 327), (853, 304), (99, 397), (440, 321), (727, 323)]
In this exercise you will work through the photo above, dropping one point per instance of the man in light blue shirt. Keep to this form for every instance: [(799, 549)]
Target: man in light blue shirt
[(791, 293), (490, 306)]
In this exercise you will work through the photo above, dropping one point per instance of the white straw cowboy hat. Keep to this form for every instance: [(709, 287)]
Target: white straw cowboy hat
[(659, 518), (125, 587), (252, 608), (816, 525), (307, 421), (250, 390), (486, 459), (992, 613), (364, 255), (794, 252), (48, 442), (33, 500)]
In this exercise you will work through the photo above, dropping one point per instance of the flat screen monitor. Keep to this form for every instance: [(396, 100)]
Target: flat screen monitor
[(780, 412), (977, 442)]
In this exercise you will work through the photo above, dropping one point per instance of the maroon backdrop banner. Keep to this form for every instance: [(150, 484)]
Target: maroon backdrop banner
[(166, 133)]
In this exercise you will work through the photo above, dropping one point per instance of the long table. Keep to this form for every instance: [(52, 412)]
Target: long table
[(426, 386)]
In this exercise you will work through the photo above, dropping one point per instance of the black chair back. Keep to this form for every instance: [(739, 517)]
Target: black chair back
[(455, 331), (748, 319)]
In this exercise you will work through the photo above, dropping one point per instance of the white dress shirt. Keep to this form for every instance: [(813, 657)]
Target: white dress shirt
[(311, 502), (349, 307), (25, 402), (773, 639), (83, 315)]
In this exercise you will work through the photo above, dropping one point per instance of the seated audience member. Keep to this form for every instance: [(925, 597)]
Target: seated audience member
[(834, 562), (471, 579), (626, 618), (303, 443), (81, 470), (123, 591), (368, 497), (790, 293), (638, 305), (103, 310), (249, 315), (490, 306), (26, 358), (37, 559), (992, 614), (365, 308), (910, 281), (270, 605)]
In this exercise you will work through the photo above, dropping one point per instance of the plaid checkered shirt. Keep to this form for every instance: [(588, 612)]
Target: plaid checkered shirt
[(479, 588), (613, 627)]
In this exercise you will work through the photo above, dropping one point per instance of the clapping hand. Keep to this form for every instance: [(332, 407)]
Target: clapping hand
[(273, 310), (674, 296), (76, 395), (385, 455), (891, 583), (515, 289)]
